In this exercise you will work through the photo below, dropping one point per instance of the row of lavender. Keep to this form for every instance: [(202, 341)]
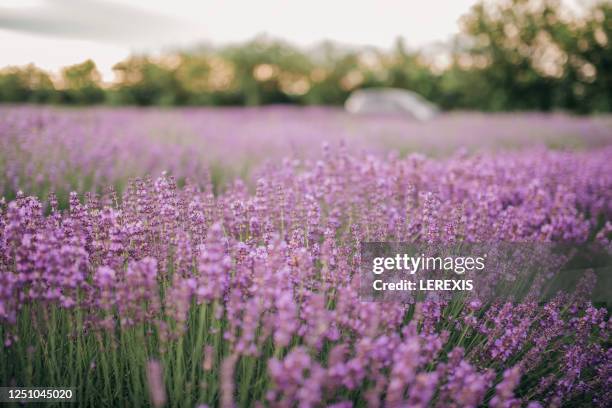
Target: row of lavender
[(46, 149), (176, 296)]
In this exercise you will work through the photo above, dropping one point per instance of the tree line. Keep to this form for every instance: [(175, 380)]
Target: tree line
[(510, 55)]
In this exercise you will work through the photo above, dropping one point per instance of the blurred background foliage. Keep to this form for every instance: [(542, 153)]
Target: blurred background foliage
[(509, 55)]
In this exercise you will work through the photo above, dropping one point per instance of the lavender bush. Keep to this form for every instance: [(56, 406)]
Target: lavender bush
[(190, 296)]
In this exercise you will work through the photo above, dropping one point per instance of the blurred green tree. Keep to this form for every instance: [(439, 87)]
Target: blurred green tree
[(533, 54), (141, 81), (81, 83), (267, 71), (27, 84), (406, 70), (335, 73)]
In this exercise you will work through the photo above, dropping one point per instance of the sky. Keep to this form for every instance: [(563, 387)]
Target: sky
[(56, 33)]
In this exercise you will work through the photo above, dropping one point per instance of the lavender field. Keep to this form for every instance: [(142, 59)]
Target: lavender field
[(196, 257), (63, 150)]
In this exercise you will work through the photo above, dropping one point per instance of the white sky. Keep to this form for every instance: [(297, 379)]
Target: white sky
[(55, 33)]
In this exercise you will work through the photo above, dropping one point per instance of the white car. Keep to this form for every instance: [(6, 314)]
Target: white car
[(390, 100)]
